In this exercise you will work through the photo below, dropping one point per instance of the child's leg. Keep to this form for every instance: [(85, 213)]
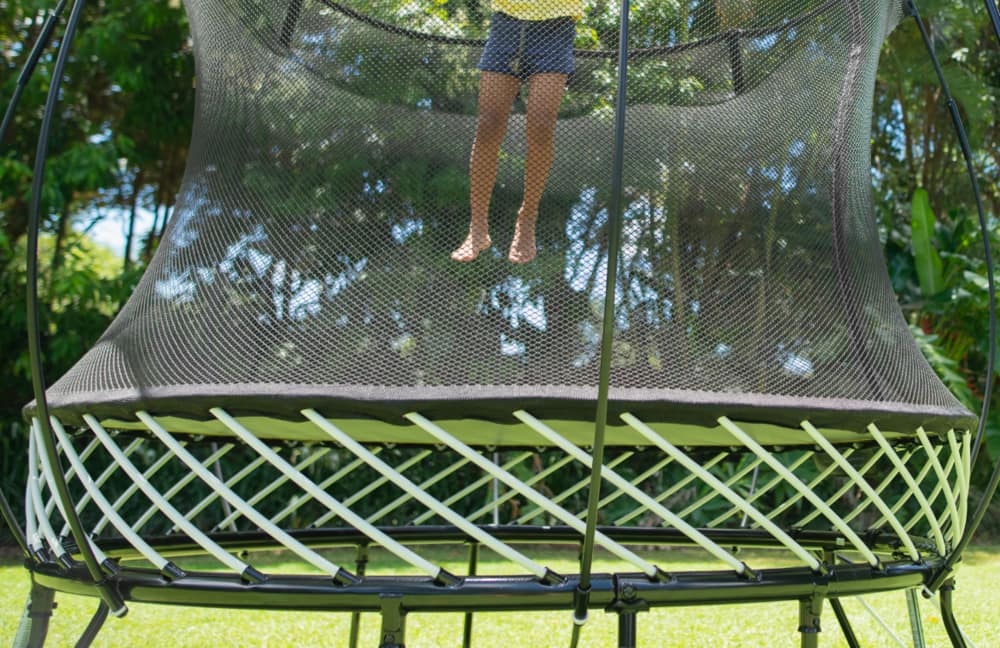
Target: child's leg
[(545, 93), (496, 95)]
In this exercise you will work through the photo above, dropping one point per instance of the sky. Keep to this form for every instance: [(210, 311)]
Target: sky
[(111, 230)]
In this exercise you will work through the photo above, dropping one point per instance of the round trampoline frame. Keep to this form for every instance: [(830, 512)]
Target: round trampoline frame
[(923, 481)]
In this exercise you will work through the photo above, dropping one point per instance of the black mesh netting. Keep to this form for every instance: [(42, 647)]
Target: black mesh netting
[(308, 261)]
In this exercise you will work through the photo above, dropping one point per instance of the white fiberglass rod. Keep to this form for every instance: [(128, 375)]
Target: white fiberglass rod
[(865, 487), (270, 488), (237, 502), (559, 497), (35, 540), (166, 507), (43, 531), (949, 494), (799, 486), (932, 496), (813, 483), (849, 485), (298, 502), (45, 526), (422, 486), (680, 484), (529, 493), (713, 494), (229, 483), (908, 478), (635, 493), (164, 459), (423, 497), (50, 480), (102, 502), (943, 483), (638, 479), (906, 496), (99, 482), (763, 490), (372, 487), (863, 505), (84, 455), (490, 506), (734, 498), (961, 454), (322, 497), (878, 619), (479, 483)]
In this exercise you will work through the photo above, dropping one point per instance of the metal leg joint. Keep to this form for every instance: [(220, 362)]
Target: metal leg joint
[(393, 620)]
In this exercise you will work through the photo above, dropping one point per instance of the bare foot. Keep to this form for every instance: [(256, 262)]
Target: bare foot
[(473, 245), (522, 248)]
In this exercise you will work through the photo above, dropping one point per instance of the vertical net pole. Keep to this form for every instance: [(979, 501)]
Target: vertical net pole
[(473, 567), (616, 208), (104, 589)]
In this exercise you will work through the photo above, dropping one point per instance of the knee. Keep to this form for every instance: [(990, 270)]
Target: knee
[(541, 131), (492, 124)]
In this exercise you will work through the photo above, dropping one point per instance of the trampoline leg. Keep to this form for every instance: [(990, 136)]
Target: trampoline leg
[(916, 622), (845, 623), (360, 562), (809, 611), (393, 620), (473, 565), (34, 624), (95, 625), (626, 629), (948, 616)]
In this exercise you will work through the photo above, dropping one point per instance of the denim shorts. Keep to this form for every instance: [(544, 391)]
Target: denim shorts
[(521, 48)]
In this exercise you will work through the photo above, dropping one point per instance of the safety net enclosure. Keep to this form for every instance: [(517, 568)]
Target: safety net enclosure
[(381, 319), (307, 263)]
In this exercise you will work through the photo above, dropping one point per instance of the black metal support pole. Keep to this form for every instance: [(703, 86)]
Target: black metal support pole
[(627, 629), (963, 140), (615, 210), (94, 627), (948, 615), (105, 588), (360, 565), (34, 625), (809, 614), (473, 566), (845, 623)]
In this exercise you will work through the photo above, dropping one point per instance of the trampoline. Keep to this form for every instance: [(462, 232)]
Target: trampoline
[(705, 352)]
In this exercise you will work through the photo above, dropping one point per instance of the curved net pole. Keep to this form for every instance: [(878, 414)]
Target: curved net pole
[(29, 67), (581, 596), (22, 81), (104, 588), (943, 573), (994, 13)]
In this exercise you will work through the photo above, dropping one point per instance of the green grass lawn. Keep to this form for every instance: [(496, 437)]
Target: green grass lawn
[(977, 599)]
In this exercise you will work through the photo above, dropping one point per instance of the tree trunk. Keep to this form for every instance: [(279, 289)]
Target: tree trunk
[(136, 187)]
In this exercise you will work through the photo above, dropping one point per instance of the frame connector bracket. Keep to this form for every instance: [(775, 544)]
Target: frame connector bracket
[(393, 621)]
